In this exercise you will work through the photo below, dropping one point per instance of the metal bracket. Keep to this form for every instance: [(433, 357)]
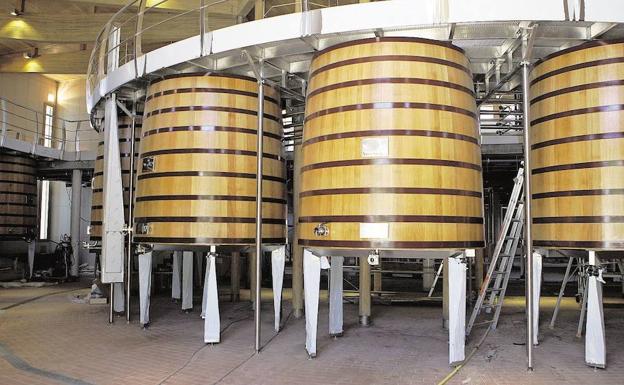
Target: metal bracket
[(321, 230), (142, 228), (148, 164)]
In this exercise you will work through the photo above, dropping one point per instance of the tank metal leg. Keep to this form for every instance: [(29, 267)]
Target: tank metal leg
[(187, 280), (235, 276), (212, 323), (537, 286), (595, 345), (365, 291), (457, 306), (335, 297), (32, 248), (176, 292), (119, 302), (278, 260), (311, 287), (145, 287)]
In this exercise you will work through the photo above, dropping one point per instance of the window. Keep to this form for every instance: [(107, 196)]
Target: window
[(45, 184)]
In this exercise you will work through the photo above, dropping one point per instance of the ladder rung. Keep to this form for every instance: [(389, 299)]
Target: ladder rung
[(516, 220), (509, 237), (493, 289), (488, 306), (499, 272), (483, 322)]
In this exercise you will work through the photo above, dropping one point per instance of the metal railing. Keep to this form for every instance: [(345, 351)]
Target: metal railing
[(137, 28), (26, 124)]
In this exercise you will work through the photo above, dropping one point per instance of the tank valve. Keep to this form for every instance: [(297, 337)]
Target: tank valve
[(148, 164), (321, 230), (373, 258), (142, 228)]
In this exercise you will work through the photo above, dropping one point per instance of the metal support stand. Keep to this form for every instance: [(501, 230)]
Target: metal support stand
[(213, 250), (537, 286), (187, 280), (75, 220), (311, 287), (278, 261), (119, 297), (457, 306), (32, 249), (145, 287), (176, 289), (335, 297), (435, 279), (579, 328), (595, 345), (428, 276), (212, 322)]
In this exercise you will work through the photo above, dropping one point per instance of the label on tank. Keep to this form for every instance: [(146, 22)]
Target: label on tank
[(375, 147), (374, 230)]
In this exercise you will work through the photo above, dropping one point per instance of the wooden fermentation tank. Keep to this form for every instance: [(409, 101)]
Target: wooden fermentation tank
[(197, 168), (391, 151), (577, 148), (18, 196)]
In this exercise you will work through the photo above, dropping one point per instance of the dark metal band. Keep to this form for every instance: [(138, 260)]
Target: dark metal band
[(580, 111), (388, 58), (424, 133), (577, 166), (391, 190), (390, 218), (580, 47), (218, 241), (581, 244), (207, 74), (171, 151), (391, 161), (122, 140), (364, 82), (17, 215), (17, 172), (209, 90), (578, 138), (122, 155), (391, 39), (394, 244), (210, 129), (390, 105), (582, 87), (574, 67), (578, 193), (580, 219), (152, 198), (17, 193), (18, 204), (269, 221), (31, 165), (209, 173), (209, 108), (18, 182)]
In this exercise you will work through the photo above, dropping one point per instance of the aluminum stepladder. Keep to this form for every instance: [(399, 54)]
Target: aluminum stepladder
[(495, 282)]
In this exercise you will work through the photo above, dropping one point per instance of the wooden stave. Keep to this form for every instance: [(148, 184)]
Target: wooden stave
[(124, 132), (213, 140), (18, 194), (449, 128), (578, 156)]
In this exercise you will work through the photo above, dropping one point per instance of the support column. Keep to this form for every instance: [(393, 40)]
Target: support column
[(75, 221), (235, 276), (428, 273), (311, 282), (365, 291), (176, 289), (212, 322), (145, 287), (278, 261), (335, 297), (187, 280), (595, 345), (213, 251), (479, 263), (457, 308), (259, 9), (297, 251), (537, 286)]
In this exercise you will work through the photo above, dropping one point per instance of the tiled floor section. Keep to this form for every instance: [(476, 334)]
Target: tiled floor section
[(405, 345)]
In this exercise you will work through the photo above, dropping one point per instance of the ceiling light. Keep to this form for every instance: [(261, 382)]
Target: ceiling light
[(16, 12)]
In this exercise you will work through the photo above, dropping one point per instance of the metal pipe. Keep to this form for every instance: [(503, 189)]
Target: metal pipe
[(259, 149), (504, 80), (75, 220), (130, 212), (527, 215), (112, 300)]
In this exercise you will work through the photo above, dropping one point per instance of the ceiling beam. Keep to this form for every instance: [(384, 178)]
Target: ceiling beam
[(84, 29)]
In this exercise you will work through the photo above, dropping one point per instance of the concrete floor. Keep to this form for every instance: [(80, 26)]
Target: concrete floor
[(51, 340)]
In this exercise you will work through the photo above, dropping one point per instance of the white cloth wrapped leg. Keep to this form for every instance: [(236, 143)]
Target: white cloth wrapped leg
[(311, 286), (145, 286), (457, 309), (212, 323), (278, 260), (187, 280), (176, 290), (335, 297)]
